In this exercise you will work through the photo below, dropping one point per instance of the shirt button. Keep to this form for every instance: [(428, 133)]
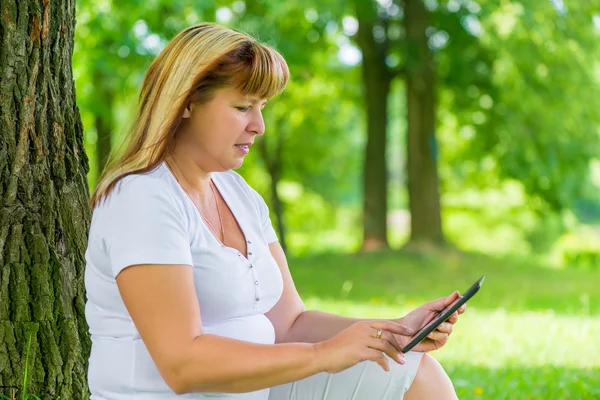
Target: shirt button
[(249, 254), (257, 299), (249, 242), (250, 265), (256, 283)]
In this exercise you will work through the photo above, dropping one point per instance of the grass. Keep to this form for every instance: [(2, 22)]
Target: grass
[(24, 394), (530, 333)]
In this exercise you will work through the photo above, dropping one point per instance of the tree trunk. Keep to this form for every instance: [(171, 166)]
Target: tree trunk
[(376, 83), (44, 212), (104, 120), (278, 207), (423, 188), (273, 163)]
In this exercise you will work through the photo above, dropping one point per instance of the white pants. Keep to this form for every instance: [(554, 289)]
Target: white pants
[(365, 381)]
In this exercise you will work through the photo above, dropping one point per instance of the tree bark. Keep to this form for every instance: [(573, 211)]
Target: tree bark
[(423, 186), (44, 212), (376, 83)]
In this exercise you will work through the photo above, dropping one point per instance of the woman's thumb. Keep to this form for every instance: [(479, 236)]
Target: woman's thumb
[(450, 299)]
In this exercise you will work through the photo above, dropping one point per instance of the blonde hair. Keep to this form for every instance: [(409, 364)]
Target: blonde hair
[(190, 69)]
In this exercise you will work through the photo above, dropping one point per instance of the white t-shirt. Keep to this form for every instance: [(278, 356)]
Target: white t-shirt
[(148, 219)]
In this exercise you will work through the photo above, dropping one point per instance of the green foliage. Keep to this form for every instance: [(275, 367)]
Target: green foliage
[(522, 124), (578, 249), (516, 83)]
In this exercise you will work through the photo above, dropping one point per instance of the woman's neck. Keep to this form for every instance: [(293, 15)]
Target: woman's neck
[(190, 176)]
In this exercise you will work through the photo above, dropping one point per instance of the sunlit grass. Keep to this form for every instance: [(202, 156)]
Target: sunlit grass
[(531, 333), (522, 339)]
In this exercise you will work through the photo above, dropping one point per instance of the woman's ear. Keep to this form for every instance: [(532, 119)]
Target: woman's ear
[(187, 112)]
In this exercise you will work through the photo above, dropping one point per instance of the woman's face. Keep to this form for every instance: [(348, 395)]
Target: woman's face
[(218, 134)]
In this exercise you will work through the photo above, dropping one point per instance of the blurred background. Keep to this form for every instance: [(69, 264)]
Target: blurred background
[(418, 146)]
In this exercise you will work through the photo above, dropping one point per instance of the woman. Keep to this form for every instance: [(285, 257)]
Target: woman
[(189, 293)]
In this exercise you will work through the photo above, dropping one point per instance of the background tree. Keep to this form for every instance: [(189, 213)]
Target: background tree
[(421, 93), (376, 79)]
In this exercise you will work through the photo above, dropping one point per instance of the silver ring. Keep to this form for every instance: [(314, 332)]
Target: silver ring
[(379, 333)]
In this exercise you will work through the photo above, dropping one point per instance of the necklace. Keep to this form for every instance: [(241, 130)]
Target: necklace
[(211, 184), (212, 187)]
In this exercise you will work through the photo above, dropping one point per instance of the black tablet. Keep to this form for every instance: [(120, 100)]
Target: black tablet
[(442, 316)]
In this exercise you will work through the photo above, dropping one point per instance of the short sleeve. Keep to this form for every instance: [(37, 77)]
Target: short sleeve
[(265, 219), (143, 224)]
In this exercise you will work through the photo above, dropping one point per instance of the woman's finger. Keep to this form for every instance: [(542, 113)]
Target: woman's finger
[(386, 347), (462, 309), (445, 327), (438, 336), (392, 327), (453, 318), (451, 299), (443, 302), (392, 339), (378, 357)]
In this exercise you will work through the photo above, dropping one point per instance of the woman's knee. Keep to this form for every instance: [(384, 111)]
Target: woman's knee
[(431, 382)]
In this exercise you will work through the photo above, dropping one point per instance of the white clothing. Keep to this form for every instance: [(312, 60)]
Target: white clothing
[(149, 219), (364, 381)]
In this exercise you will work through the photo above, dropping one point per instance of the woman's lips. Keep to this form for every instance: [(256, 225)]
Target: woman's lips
[(243, 148)]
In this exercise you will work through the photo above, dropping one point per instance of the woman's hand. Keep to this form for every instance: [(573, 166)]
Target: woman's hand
[(422, 315), (358, 343)]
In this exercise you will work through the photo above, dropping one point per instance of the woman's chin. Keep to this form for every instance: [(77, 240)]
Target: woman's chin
[(236, 163)]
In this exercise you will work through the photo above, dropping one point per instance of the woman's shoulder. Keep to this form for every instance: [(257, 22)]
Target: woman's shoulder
[(231, 175), (237, 182), (140, 200), (148, 188)]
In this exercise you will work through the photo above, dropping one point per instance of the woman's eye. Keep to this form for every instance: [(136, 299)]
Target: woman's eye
[(243, 108)]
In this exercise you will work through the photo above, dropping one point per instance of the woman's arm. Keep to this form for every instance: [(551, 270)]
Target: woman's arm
[(313, 326), (162, 302), (292, 322)]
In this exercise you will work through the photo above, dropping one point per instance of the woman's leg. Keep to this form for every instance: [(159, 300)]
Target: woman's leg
[(431, 382), (365, 381)]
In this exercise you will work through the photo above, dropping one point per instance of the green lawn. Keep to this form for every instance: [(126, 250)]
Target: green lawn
[(530, 333)]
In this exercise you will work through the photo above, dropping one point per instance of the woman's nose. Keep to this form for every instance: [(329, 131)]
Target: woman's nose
[(257, 125)]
